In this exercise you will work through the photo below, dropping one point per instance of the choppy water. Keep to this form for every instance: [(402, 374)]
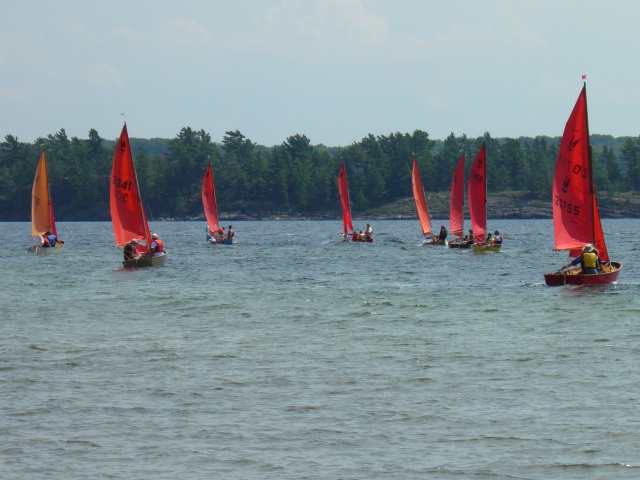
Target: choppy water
[(293, 356)]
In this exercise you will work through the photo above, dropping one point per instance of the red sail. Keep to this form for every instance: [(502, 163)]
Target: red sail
[(477, 193), (343, 188), (573, 204), (421, 202), (599, 242), (209, 200), (456, 201), (42, 219), (127, 214)]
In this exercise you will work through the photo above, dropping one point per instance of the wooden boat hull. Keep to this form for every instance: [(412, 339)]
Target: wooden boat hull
[(458, 243), (574, 277), (486, 248), (45, 250), (146, 261)]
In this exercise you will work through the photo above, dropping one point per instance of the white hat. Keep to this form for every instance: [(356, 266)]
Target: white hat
[(587, 248), (153, 235)]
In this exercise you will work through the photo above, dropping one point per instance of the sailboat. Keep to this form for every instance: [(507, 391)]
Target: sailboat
[(477, 193), (127, 211), (42, 219), (456, 207), (576, 217), (421, 207), (347, 224), (211, 209)]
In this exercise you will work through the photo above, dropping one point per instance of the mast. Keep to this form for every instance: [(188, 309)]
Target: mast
[(484, 147), (147, 234), (592, 186)]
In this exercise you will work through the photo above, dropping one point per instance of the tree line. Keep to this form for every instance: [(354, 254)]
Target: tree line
[(294, 177)]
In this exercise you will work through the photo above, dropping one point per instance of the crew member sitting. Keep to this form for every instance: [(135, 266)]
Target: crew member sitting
[(157, 246), (589, 261), (130, 251), (497, 238), (49, 239)]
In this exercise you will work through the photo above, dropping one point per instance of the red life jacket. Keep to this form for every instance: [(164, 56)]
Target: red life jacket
[(159, 247)]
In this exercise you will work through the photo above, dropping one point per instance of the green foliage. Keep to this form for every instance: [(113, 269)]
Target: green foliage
[(293, 177)]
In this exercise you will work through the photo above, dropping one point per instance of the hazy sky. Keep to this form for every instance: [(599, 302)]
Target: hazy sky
[(333, 70)]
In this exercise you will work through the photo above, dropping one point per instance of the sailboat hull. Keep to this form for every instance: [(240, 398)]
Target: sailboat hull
[(574, 277), (146, 261), (39, 249), (220, 242), (487, 248), (433, 241), (458, 243)]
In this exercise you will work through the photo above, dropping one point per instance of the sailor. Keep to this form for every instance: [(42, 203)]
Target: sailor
[(157, 246), (230, 233), (130, 251), (497, 238), (589, 261), (443, 233), (49, 239)]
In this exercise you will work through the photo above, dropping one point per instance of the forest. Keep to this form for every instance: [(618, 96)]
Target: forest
[(293, 178)]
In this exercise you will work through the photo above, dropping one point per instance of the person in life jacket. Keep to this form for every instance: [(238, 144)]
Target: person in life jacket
[(49, 239), (230, 233), (589, 261), (497, 238), (157, 246), (130, 250)]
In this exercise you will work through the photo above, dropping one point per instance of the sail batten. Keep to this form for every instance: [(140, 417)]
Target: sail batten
[(209, 200), (456, 200), (421, 202)]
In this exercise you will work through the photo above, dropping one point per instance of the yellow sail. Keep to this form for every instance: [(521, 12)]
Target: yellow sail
[(41, 210)]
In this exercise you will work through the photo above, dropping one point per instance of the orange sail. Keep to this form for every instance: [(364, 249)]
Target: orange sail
[(421, 202), (456, 200), (42, 220), (209, 200), (343, 188), (127, 213), (573, 196), (477, 193)]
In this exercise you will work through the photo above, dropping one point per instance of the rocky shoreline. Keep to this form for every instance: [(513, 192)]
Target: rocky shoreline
[(507, 205)]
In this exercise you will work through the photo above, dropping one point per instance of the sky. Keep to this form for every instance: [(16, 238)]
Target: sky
[(333, 70)]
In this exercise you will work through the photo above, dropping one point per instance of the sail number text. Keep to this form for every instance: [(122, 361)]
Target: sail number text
[(121, 189), (568, 207)]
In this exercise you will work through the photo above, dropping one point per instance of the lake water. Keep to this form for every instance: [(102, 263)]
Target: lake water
[(291, 355)]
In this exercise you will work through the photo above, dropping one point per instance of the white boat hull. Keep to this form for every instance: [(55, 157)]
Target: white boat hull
[(39, 249)]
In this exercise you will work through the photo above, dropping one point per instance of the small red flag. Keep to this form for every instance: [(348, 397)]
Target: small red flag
[(584, 77)]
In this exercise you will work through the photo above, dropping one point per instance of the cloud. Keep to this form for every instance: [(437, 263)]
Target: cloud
[(185, 32), (105, 76)]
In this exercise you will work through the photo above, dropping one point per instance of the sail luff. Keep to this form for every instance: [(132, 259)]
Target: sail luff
[(343, 188), (209, 199), (421, 202), (456, 200)]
